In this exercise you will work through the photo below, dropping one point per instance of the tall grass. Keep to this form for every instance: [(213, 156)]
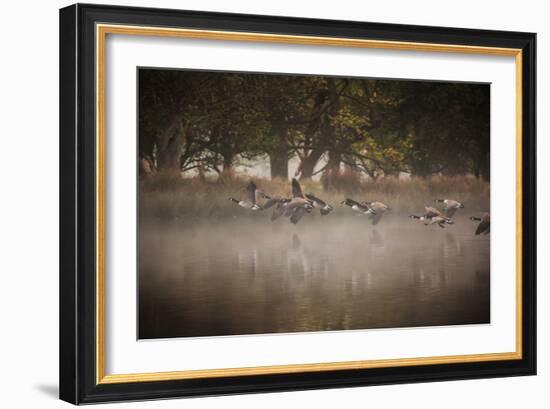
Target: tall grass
[(192, 199)]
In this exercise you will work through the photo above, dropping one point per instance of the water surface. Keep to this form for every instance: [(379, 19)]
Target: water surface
[(250, 276)]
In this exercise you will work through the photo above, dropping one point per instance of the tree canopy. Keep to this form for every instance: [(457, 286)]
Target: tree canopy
[(206, 121)]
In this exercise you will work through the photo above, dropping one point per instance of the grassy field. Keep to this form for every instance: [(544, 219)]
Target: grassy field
[(193, 199)]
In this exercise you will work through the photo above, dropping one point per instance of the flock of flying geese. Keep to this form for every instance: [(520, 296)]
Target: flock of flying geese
[(300, 204)]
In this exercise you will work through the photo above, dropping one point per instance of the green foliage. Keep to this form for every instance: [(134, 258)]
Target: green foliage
[(206, 120)]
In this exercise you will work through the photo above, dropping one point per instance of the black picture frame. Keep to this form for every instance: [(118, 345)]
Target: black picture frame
[(78, 360)]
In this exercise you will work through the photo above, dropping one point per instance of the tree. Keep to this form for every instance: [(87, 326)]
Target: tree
[(171, 103), (196, 120)]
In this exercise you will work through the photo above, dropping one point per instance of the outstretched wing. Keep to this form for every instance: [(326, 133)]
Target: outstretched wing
[(296, 189), (315, 199), (278, 211), (433, 220), (297, 215), (450, 211), (376, 217), (251, 192), (293, 205), (379, 207), (483, 227), (431, 212), (260, 194), (271, 202)]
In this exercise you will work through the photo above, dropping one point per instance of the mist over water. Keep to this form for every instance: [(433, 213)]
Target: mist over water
[(251, 276)]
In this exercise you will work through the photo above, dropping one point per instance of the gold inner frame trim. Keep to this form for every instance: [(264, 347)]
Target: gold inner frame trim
[(101, 33)]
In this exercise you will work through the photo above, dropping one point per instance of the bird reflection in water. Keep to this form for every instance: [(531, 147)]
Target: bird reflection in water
[(322, 276), (297, 259), (451, 246), (296, 243), (376, 239)]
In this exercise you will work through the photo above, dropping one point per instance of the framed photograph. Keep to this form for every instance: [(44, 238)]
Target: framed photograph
[(257, 203)]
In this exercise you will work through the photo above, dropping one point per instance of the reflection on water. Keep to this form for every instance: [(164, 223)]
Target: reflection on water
[(247, 277)]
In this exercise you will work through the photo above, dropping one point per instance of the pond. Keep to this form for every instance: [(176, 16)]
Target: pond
[(251, 276)]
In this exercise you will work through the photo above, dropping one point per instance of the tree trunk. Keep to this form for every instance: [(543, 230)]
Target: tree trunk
[(228, 159), (307, 165), (332, 172), (202, 174), (278, 161), (278, 154), (170, 145)]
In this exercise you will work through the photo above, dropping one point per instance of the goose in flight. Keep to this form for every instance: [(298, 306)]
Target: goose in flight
[(432, 216), (324, 208), (260, 194), (249, 202), (298, 205), (429, 213), (378, 209), (280, 205), (441, 221), (484, 227), (450, 206), (357, 207)]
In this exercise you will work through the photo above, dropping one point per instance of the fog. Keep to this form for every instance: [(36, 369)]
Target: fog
[(250, 276)]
